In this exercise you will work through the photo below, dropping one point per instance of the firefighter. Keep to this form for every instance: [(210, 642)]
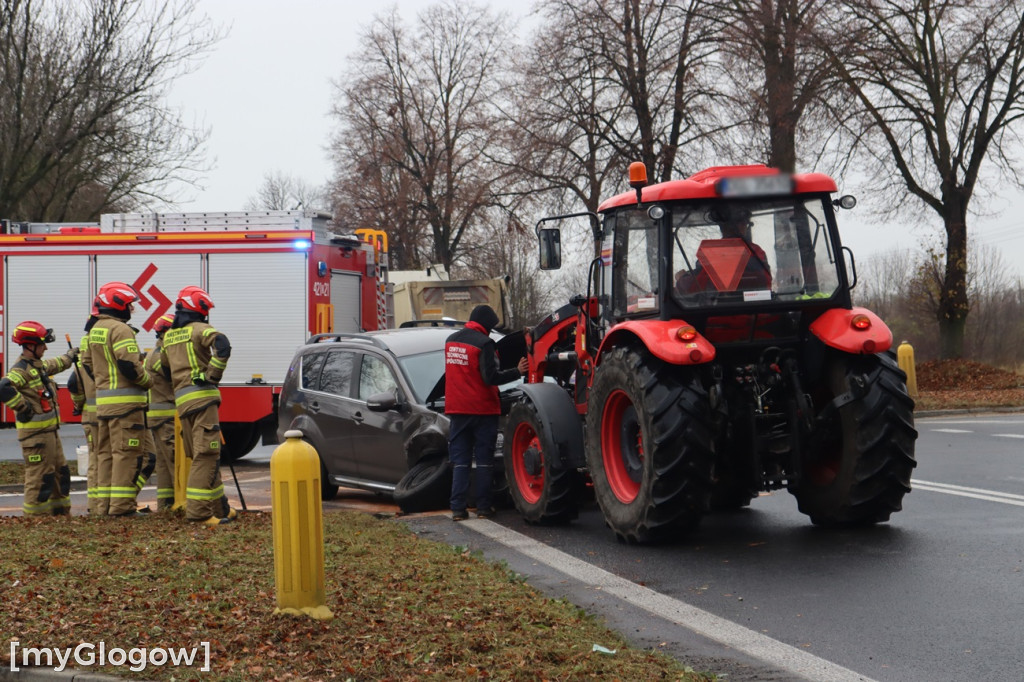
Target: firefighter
[(195, 356), (30, 393), (114, 361), (160, 419), (83, 398)]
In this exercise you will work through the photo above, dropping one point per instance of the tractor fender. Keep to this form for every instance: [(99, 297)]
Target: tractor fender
[(836, 328), (557, 413), (661, 338)]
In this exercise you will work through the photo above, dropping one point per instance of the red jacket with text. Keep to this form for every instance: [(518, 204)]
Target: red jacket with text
[(471, 372)]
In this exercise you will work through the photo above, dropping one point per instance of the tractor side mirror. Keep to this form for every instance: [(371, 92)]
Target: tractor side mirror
[(550, 249)]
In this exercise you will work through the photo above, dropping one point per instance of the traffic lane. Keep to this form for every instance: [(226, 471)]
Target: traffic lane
[(984, 451), (933, 595)]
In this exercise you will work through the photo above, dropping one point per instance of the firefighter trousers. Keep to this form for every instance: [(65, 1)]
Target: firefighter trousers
[(204, 493), (90, 475), (163, 447), (47, 477), (120, 445)]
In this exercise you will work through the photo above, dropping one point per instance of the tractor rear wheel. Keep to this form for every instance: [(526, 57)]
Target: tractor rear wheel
[(542, 491), (649, 446), (858, 467)]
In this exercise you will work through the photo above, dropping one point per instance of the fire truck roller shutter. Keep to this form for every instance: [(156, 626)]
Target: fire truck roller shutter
[(64, 300), (346, 297)]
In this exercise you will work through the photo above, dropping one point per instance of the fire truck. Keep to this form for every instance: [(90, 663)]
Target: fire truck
[(276, 278)]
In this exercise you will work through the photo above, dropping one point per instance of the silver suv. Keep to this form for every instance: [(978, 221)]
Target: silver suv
[(372, 405)]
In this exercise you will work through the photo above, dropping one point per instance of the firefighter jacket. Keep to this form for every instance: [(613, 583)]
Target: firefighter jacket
[(82, 387), (31, 394), (115, 363), (471, 372), (161, 395), (195, 356)]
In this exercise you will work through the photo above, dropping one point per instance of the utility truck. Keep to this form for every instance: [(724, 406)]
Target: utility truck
[(716, 354)]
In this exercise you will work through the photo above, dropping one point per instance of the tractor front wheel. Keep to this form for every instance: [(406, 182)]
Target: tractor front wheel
[(543, 491), (649, 446)]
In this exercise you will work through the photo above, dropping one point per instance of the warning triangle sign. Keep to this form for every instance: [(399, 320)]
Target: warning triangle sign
[(724, 260)]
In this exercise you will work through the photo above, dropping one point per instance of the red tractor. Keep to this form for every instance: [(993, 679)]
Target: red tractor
[(716, 354)]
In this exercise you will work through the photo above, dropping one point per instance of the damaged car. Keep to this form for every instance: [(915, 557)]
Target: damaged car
[(372, 405)]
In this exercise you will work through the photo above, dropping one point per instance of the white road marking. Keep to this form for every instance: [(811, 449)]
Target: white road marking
[(706, 624), (1008, 435), (974, 493), (952, 431)]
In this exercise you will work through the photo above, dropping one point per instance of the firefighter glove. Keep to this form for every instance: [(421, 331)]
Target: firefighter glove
[(25, 414)]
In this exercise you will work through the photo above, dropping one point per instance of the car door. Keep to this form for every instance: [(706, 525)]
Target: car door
[(332, 410), (378, 441)]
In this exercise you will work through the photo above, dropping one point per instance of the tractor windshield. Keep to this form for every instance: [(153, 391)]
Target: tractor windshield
[(743, 252)]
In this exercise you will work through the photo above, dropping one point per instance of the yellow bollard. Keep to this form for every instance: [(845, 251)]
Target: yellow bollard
[(298, 528), (182, 467), (905, 359)]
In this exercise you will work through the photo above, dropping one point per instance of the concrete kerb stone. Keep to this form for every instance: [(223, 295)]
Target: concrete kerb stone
[(50, 675)]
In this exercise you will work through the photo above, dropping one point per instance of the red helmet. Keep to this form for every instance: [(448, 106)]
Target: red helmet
[(162, 324), (116, 295), (195, 299), (32, 332)]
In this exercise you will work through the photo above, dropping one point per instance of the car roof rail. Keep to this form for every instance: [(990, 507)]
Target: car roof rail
[(432, 323), (339, 336)]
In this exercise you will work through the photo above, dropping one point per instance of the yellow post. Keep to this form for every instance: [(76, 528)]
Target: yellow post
[(298, 528), (182, 466), (905, 359)]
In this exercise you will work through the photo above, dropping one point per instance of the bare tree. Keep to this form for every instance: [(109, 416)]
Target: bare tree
[(779, 80), (83, 124), (940, 84), (281, 192), (423, 107)]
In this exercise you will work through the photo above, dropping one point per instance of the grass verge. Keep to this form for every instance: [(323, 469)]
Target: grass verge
[(404, 608)]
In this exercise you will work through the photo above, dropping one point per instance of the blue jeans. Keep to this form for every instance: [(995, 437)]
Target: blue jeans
[(472, 436)]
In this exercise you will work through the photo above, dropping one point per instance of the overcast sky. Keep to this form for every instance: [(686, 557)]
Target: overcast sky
[(265, 93)]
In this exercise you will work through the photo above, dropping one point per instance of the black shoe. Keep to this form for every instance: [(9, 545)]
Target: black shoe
[(460, 515), (486, 513)]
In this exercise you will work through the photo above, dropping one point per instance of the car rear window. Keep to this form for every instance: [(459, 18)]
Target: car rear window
[(336, 377)]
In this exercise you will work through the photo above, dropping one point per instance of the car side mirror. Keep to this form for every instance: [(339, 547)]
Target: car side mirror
[(382, 402), (550, 249)]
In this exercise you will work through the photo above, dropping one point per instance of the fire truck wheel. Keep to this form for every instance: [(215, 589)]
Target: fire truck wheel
[(649, 446), (239, 440), (427, 486), (858, 466), (542, 493)]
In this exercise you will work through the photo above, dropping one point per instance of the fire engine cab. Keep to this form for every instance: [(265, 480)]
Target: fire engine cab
[(276, 277)]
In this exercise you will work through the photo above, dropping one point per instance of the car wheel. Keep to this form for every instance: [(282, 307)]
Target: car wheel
[(328, 491), (426, 487)]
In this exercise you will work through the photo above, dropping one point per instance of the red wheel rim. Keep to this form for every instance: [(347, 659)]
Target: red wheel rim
[(530, 486), (621, 443)]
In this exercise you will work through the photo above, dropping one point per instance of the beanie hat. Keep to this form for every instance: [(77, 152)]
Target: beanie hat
[(484, 316)]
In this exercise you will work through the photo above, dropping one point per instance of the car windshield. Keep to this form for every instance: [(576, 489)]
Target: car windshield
[(423, 371)]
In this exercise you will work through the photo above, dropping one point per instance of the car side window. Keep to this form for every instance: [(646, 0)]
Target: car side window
[(311, 365), (375, 376), (336, 377)]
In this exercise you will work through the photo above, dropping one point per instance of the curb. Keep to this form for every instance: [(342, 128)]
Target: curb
[(968, 410), (51, 675), (78, 484)]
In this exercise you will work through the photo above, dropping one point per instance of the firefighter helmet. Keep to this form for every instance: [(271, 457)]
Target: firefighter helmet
[(195, 299), (116, 296), (162, 324), (32, 332)]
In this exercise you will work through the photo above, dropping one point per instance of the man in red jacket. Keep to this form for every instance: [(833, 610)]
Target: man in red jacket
[(471, 402)]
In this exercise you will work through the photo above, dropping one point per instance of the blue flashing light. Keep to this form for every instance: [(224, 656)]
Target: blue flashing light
[(302, 244)]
